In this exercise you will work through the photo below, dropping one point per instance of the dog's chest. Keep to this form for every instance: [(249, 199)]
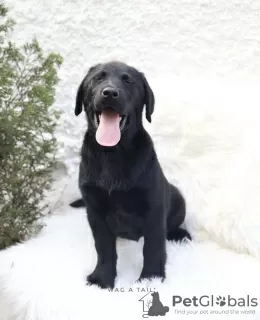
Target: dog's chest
[(126, 213), (110, 170)]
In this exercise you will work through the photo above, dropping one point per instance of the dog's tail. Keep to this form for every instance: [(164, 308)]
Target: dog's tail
[(78, 203), (166, 309)]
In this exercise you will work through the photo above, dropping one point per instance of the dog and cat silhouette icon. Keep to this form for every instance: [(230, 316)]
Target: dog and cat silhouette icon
[(157, 308)]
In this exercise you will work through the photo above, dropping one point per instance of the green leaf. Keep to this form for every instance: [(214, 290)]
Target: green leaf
[(28, 119)]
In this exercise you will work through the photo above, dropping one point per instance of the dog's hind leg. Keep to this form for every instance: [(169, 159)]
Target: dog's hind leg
[(178, 234), (78, 203), (176, 217)]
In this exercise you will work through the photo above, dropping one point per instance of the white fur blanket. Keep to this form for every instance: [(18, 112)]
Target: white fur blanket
[(207, 139)]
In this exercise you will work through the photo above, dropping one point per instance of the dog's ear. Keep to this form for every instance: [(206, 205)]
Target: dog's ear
[(79, 99), (80, 92), (149, 99)]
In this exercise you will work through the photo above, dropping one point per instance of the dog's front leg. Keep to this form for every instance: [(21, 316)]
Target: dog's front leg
[(105, 243), (154, 250)]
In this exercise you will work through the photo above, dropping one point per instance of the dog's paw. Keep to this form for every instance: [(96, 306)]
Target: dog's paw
[(151, 276), (100, 279), (179, 235)]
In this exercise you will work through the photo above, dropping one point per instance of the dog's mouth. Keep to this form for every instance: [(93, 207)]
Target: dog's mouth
[(109, 124), (122, 123)]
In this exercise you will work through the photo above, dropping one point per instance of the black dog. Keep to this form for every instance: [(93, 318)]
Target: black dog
[(122, 184)]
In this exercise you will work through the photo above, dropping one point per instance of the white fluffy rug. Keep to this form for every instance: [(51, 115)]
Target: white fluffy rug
[(207, 139)]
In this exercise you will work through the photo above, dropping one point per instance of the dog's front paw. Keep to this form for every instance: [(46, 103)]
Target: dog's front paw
[(150, 275), (101, 278)]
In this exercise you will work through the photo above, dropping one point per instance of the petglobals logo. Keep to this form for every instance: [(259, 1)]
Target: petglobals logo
[(152, 305), (213, 301)]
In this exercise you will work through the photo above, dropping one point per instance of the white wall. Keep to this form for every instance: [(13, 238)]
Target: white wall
[(185, 37), (188, 42)]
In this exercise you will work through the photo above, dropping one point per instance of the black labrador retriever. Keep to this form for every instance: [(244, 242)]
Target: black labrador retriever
[(121, 181)]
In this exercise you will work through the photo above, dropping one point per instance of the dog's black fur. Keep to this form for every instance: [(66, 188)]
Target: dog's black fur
[(123, 187)]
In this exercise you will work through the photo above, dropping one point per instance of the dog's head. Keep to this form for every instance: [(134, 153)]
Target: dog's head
[(155, 295), (113, 95)]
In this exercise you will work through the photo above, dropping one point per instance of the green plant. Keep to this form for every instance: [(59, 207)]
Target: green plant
[(27, 123)]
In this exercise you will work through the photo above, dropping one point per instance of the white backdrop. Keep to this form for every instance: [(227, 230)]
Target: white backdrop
[(185, 41)]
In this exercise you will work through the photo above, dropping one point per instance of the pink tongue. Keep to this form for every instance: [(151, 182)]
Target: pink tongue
[(108, 132)]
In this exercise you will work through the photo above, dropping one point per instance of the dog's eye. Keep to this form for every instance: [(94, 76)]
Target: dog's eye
[(126, 78), (100, 76)]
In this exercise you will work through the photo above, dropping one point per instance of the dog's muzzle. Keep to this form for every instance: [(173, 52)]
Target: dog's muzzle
[(109, 123)]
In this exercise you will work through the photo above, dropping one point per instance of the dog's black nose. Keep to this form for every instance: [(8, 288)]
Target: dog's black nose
[(110, 93)]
